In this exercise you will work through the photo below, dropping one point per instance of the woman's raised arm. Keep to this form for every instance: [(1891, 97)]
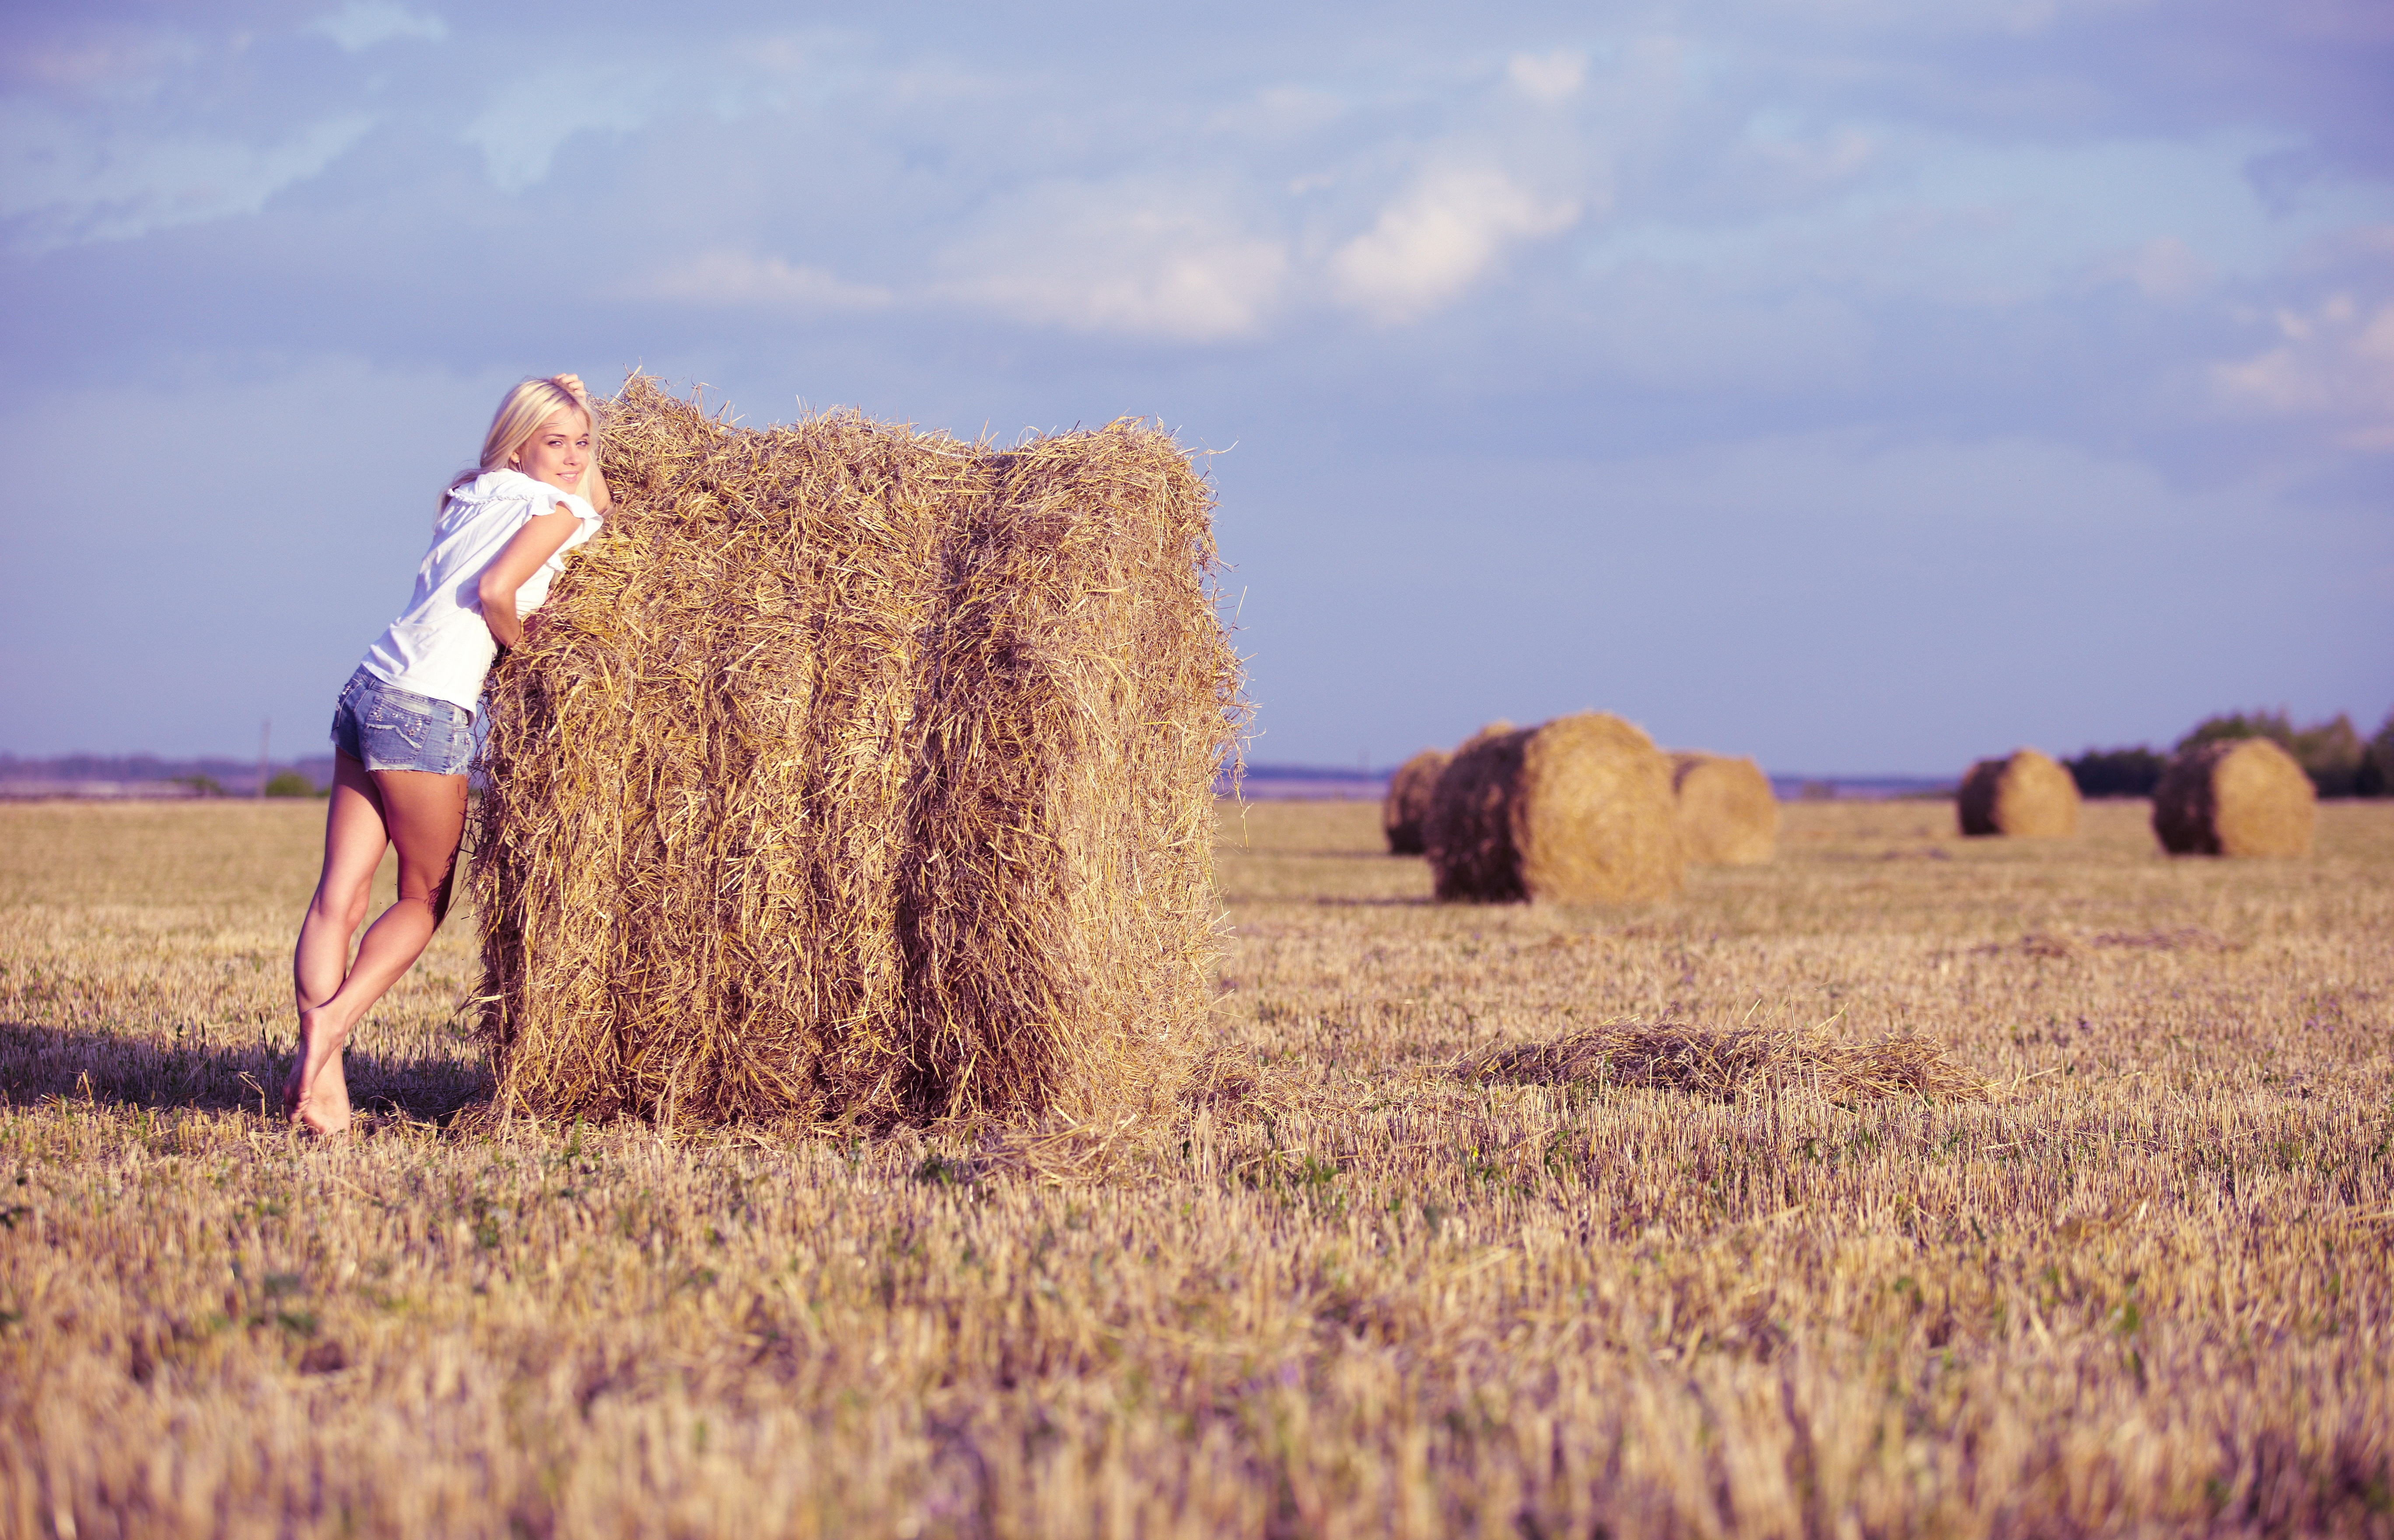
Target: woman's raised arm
[(540, 538)]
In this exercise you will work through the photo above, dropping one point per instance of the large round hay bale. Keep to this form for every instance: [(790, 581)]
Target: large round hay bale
[(1407, 803), (2238, 797), (1579, 811), (2024, 794), (1728, 815)]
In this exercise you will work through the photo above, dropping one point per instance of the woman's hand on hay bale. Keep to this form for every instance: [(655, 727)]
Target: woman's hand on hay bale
[(541, 538)]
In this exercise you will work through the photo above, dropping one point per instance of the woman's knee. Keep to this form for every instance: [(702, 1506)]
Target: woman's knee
[(346, 909), (434, 896)]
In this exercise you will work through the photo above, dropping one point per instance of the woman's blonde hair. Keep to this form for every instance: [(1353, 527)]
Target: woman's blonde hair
[(529, 404)]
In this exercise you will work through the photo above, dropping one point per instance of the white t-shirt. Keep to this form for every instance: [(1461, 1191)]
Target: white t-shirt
[(440, 645)]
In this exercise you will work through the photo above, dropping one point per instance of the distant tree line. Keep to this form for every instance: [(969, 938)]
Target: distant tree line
[(288, 783), (215, 776), (2333, 754)]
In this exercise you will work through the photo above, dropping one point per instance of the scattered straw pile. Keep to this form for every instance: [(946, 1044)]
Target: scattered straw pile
[(855, 772), (1406, 807), (1726, 1063), (1579, 811), (2024, 794), (1728, 815), (2241, 797)]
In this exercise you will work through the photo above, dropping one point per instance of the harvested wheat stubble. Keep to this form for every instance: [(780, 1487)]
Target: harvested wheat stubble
[(857, 773), (2024, 794), (1406, 807), (1727, 815), (2240, 796), (1578, 810), (1727, 1062)]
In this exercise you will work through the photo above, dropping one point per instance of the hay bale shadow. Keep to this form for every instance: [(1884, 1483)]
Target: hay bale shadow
[(40, 1063)]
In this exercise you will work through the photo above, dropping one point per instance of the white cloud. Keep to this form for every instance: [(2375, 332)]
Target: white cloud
[(2335, 363), (1133, 260), (63, 183), (1439, 236), (521, 132), (737, 278), (361, 24), (1547, 77)]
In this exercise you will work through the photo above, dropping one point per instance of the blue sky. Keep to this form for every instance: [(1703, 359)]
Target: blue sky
[(1861, 385)]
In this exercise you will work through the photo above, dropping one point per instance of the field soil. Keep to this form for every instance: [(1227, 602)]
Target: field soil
[(2122, 1267)]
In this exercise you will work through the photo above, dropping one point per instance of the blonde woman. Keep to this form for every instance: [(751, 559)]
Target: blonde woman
[(404, 731)]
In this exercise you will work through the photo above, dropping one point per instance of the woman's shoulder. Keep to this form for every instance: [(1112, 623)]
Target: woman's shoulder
[(498, 486), (509, 489)]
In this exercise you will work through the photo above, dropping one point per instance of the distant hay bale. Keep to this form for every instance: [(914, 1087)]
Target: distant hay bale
[(1727, 815), (856, 773), (1579, 811), (2236, 796), (1406, 805), (2024, 794), (1723, 1064)]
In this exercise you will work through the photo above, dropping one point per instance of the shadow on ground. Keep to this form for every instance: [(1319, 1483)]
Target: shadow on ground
[(41, 1064)]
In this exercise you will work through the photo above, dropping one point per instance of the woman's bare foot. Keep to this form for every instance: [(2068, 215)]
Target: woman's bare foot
[(317, 1094), (325, 1112)]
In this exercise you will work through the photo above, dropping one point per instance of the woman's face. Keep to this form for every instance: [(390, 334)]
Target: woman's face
[(558, 451)]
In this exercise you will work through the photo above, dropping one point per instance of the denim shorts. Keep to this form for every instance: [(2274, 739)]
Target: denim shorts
[(385, 727)]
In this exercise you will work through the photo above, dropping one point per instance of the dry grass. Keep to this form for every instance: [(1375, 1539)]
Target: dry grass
[(2143, 1285), (1725, 1063)]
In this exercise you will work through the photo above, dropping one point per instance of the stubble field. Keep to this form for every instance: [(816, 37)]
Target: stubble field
[(2141, 1285)]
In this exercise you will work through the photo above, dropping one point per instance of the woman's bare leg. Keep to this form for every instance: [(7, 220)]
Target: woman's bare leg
[(424, 815), (355, 837)]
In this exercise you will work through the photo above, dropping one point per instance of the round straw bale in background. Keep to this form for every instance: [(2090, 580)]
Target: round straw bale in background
[(2236, 796), (1407, 804), (2024, 794), (1728, 816), (1579, 811)]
